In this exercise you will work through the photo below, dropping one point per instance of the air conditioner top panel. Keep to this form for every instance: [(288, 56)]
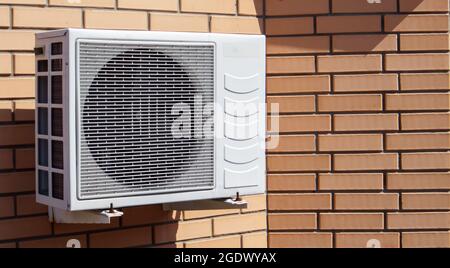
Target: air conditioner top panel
[(140, 35)]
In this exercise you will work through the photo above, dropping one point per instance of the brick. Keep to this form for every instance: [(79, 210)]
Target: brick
[(121, 238), (206, 213), (383, 161), (240, 25), (81, 228), (27, 205), (30, 17), (291, 65), (298, 84), (424, 42), (300, 240), (357, 6), (417, 62), (254, 240), (24, 64), (24, 110), (148, 215), (426, 240), (415, 23), (289, 26), (351, 221), (422, 220), (5, 17), (16, 88), (24, 227), (414, 102), (349, 181), (17, 182), (362, 240), (350, 142), (296, 7), (5, 63), (315, 201), (425, 81), (292, 104), (348, 63), (420, 141), (364, 43), (348, 103), (221, 242), (167, 5), (298, 45), (6, 159), (125, 20), (411, 161), (181, 23), (365, 122), (16, 40), (427, 121), (423, 5), (348, 24), (84, 3), (292, 221), (209, 6), (295, 123), (294, 143), (366, 201), (255, 203), (251, 7), (25, 158), (54, 242), (16, 134), (291, 182), (418, 181), (426, 201), (6, 108), (365, 83), (24, 2), (298, 162), (6, 206), (182, 231), (240, 223)]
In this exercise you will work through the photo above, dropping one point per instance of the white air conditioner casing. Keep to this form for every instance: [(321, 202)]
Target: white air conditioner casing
[(108, 103)]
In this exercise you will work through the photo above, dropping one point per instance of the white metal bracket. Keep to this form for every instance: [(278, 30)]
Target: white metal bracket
[(57, 215), (207, 204)]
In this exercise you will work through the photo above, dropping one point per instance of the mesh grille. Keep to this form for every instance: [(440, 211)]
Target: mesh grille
[(126, 96)]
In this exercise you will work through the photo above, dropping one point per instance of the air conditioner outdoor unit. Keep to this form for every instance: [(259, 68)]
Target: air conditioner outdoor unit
[(132, 118)]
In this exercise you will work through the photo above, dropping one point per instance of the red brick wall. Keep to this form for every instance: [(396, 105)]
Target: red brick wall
[(23, 223), (363, 92)]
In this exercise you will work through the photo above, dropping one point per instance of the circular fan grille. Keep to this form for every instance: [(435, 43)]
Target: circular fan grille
[(127, 116)]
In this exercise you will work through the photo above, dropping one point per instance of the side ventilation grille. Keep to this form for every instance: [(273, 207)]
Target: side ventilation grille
[(49, 120), (127, 93)]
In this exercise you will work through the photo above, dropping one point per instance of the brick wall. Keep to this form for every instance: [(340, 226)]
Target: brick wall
[(23, 223), (363, 92)]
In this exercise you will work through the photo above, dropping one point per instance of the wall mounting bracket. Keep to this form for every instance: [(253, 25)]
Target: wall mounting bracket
[(57, 215)]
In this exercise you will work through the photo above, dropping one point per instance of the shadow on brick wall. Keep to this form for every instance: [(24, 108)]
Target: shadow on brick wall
[(143, 226), (281, 42)]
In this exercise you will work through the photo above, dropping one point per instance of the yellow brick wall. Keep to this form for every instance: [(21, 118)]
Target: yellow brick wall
[(23, 223), (364, 101)]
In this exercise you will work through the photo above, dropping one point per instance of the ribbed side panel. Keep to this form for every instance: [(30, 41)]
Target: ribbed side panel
[(126, 97)]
